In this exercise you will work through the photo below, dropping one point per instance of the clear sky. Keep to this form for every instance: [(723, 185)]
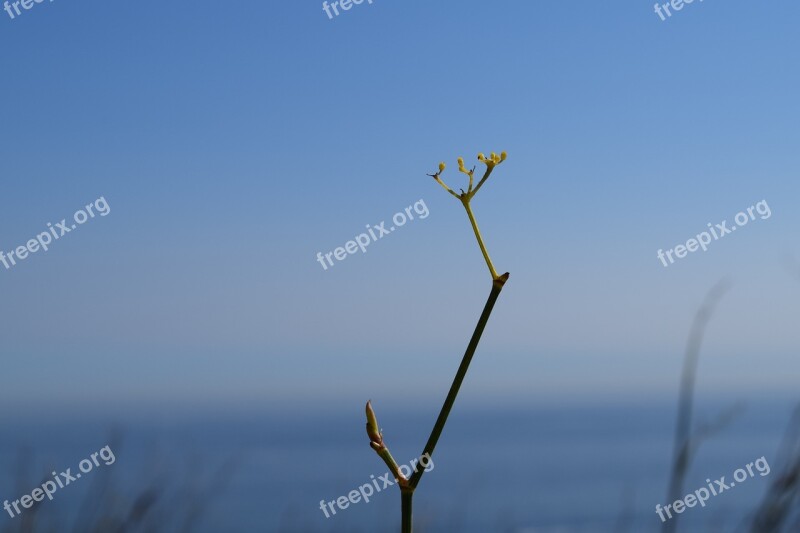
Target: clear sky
[(234, 141)]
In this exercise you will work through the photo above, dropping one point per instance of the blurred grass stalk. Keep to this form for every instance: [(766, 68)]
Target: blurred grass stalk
[(686, 441)]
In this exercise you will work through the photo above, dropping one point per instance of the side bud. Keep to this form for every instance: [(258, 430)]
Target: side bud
[(373, 430)]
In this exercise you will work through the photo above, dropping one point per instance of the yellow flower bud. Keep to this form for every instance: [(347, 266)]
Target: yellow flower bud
[(460, 161), (441, 167), (481, 157), (503, 156)]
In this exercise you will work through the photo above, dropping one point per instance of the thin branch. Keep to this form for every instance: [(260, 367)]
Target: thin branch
[(448, 189), (497, 286), (471, 175), (477, 231), (406, 510), (483, 179)]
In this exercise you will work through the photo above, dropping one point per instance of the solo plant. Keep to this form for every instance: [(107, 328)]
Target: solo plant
[(408, 485)]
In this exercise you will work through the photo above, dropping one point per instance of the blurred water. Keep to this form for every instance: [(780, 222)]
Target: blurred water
[(567, 470)]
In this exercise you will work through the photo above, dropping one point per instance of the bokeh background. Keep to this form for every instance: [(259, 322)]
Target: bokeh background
[(194, 328)]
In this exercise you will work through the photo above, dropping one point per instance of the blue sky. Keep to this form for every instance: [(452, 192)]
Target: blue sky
[(233, 143)]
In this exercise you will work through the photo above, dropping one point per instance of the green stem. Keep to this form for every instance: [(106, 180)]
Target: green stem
[(386, 455), (497, 286), (406, 497), (465, 201)]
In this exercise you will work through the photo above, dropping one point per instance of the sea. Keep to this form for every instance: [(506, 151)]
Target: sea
[(554, 469)]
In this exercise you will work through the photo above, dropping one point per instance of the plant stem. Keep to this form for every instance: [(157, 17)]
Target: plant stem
[(497, 286), (683, 447), (406, 497), (465, 201)]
